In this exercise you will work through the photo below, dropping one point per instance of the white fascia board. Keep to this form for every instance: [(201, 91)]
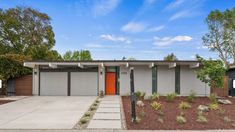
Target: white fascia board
[(194, 65), (30, 65), (52, 65), (80, 65), (172, 65)]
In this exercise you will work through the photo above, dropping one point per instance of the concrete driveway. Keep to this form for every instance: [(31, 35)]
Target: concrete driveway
[(43, 112)]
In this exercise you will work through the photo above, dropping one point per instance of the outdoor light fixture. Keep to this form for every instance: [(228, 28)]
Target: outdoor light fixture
[(35, 72), (233, 83), (0, 83)]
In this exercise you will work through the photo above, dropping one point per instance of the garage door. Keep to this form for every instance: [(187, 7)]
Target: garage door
[(84, 83), (54, 83)]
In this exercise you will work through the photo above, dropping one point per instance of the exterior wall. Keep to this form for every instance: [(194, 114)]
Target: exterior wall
[(142, 79), (165, 79), (101, 78), (23, 85), (189, 81), (84, 83), (35, 81)]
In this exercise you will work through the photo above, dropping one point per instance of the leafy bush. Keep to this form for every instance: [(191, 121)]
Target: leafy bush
[(170, 97), (181, 120), (191, 96), (184, 105), (156, 106), (142, 113), (227, 119), (84, 120), (201, 118), (138, 94), (87, 114), (92, 108), (154, 96), (212, 98), (213, 106)]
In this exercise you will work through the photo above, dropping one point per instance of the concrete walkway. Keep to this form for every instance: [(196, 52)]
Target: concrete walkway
[(108, 115)]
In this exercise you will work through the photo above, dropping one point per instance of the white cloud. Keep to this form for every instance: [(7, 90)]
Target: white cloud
[(180, 14), (133, 27), (156, 29), (169, 40), (103, 7), (93, 45), (175, 4), (115, 38)]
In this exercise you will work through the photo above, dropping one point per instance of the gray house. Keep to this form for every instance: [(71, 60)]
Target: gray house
[(71, 78)]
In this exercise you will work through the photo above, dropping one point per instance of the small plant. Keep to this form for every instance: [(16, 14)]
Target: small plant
[(154, 96), (191, 96), (92, 108), (87, 114), (181, 120), (95, 104), (213, 106), (137, 120), (170, 97), (201, 118), (143, 95), (221, 111), (84, 120), (184, 106), (212, 98), (227, 119), (160, 113), (156, 106), (138, 94), (142, 113), (97, 101)]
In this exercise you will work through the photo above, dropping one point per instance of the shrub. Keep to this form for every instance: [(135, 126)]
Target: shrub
[(154, 96), (143, 94), (138, 94), (87, 114), (92, 108), (170, 97), (213, 106), (212, 98), (221, 111), (227, 119), (184, 105), (191, 96), (84, 120), (181, 120), (201, 118), (156, 106), (142, 113)]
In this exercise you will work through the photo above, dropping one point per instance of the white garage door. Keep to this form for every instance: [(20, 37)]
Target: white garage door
[(53, 83), (84, 83)]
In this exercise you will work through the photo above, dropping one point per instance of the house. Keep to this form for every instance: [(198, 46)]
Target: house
[(231, 80), (71, 78)]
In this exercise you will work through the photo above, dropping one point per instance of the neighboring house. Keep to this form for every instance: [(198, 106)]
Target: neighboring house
[(71, 78), (231, 75)]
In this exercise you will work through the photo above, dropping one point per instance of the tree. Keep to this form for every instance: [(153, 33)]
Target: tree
[(170, 57), (212, 72), (85, 55), (11, 66), (76, 55), (26, 31), (221, 35)]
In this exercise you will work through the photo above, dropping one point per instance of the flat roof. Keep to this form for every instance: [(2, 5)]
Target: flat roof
[(127, 63)]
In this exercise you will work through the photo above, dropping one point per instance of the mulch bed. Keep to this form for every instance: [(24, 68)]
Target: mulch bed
[(171, 110), (5, 101)]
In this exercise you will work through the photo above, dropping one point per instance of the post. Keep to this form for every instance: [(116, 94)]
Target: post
[(133, 96)]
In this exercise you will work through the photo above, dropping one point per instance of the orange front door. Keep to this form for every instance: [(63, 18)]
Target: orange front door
[(110, 83)]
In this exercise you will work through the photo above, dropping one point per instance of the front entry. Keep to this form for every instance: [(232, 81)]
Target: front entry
[(110, 83)]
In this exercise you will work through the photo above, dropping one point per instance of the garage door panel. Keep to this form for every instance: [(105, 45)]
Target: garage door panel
[(84, 83), (53, 83)]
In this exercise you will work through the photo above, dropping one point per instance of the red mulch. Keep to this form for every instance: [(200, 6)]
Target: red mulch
[(171, 110), (5, 101)]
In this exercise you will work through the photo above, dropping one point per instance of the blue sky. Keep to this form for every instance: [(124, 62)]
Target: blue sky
[(144, 29)]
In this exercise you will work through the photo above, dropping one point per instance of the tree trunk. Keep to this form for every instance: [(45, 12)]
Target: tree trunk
[(4, 87)]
